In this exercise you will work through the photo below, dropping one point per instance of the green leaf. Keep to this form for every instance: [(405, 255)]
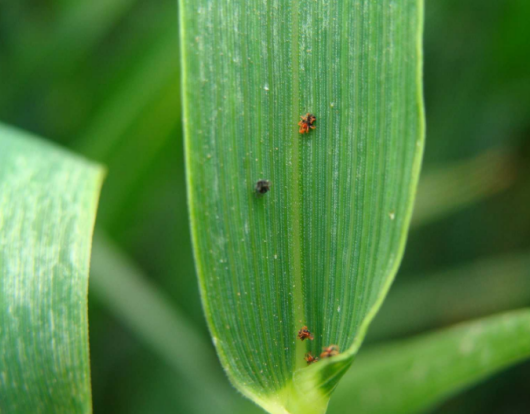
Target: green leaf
[(322, 247), (474, 290), (449, 188), (413, 375), (48, 201), (146, 311), (116, 136), (75, 32), (152, 76)]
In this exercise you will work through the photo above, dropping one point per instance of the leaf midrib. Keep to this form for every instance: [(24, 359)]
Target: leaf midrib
[(298, 296)]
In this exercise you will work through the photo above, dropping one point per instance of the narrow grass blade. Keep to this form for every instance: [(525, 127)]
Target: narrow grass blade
[(477, 289), (322, 247), (146, 311), (450, 188), (413, 375), (157, 72), (140, 305), (48, 201), (130, 162), (74, 35)]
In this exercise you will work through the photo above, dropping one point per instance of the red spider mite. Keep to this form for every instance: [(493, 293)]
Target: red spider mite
[(305, 334), (310, 358), (307, 123), (330, 351)]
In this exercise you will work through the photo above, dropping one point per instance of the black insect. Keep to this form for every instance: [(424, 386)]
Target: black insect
[(262, 187)]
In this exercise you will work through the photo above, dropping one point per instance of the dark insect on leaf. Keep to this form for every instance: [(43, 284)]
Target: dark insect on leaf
[(262, 187)]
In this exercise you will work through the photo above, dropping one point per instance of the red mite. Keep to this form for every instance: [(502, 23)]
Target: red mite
[(330, 351), (307, 123), (310, 358), (305, 334)]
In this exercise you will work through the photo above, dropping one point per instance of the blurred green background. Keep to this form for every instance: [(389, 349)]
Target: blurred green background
[(101, 77)]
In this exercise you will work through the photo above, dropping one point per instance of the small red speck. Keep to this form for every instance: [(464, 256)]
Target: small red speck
[(305, 334), (330, 351), (310, 358), (306, 124)]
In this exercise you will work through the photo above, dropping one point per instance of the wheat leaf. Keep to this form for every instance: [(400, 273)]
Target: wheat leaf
[(48, 201), (410, 376), (321, 248)]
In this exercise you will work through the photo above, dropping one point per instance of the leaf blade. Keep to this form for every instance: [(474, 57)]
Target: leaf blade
[(454, 295), (449, 188), (346, 188), (48, 200), (413, 375), (145, 310)]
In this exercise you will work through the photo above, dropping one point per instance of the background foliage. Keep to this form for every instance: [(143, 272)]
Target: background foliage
[(101, 77)]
